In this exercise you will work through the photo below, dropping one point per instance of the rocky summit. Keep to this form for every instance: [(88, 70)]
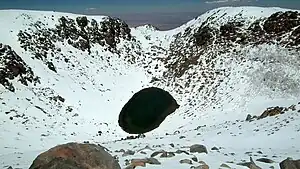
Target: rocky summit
[(234, 71)]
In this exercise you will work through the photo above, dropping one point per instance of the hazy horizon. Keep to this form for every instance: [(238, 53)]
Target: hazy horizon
[(165, 14)]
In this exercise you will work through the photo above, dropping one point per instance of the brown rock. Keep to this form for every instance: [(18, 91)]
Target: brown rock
[(204, 166), (82, 21), (120, 151), (204, 35), (61, 163), (195, 159), (75, 155), (13, 66), (290, 164), (271, 111), (156, 153), (152, 161), (136, 163), (214, 148), (142, 162)]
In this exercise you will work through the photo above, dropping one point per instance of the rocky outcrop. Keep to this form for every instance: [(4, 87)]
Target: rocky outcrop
[(204, 36), (272, 111), (75, 155), (265, 160), (81, 33), (197, 55), (231, 31), (185, 161), (142, 162), (13, 67)]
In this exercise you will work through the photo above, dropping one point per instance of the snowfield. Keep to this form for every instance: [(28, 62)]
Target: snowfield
[(95, 86)]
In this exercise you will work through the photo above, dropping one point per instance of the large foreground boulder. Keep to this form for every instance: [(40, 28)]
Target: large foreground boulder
[(146, 110), (75, 156), (290, 164)]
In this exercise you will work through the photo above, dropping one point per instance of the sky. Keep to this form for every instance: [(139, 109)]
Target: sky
[(165, 14)]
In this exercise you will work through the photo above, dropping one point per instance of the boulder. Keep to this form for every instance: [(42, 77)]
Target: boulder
[(75, 156), (128, 152), (167, 154), (197, 148), (290, 164), (142, 162)]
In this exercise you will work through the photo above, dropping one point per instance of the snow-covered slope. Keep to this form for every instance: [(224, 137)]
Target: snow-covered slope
[(65, 78)]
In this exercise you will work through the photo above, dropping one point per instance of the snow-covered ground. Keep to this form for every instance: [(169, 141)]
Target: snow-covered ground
[(99, 84)]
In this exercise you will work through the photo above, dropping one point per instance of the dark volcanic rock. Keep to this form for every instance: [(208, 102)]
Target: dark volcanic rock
[(282, 22), (146, 110), (142, 162), (204, 35), (51, 66), (250, 164), (61, 163), (197, 148), (82, 21), (12, 66), (186, 161), (74, 155)]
